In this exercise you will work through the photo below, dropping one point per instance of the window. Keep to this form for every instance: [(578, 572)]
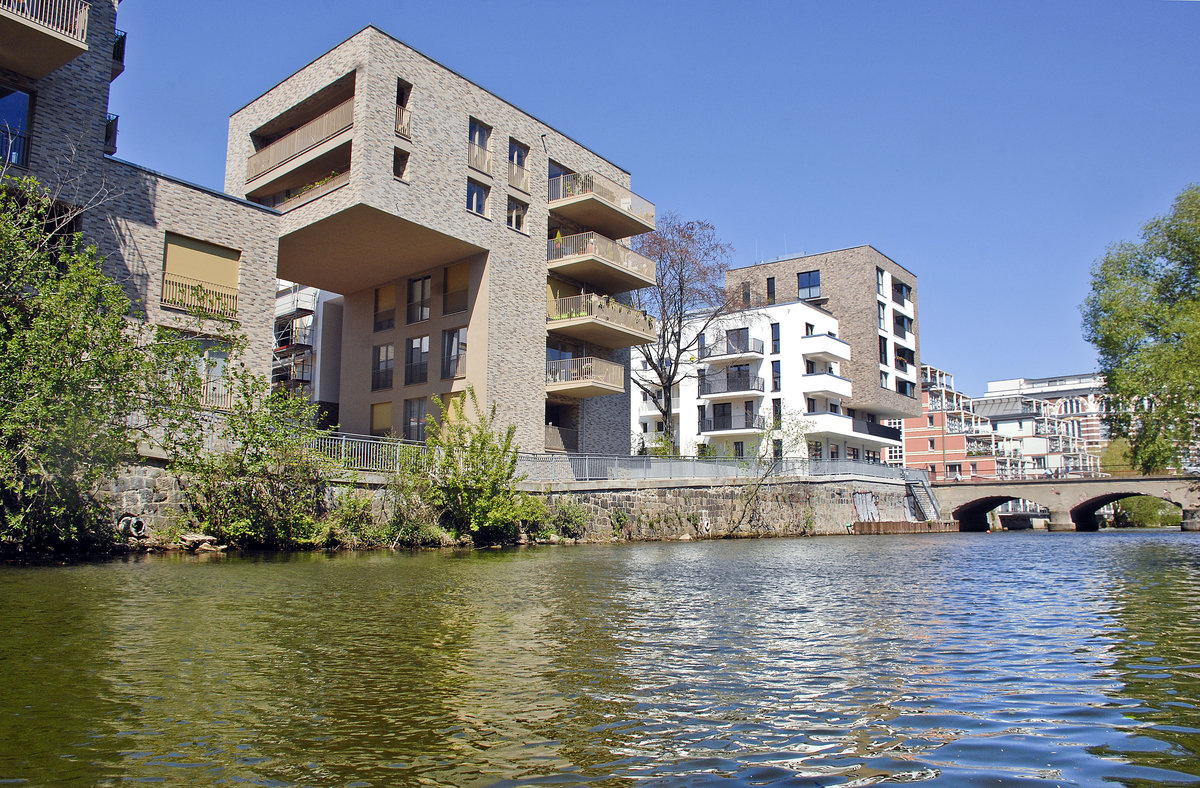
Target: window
[(954, 469), (906, 387), (812, 404), (879, 281), (385, 307), (883, 315), (833, 451), (974, 469), (901, 325), (808, 284), (776, 412), (454, 288), (900, 292), (775, 376), (737, 340), (774, 337), (645, 426), (871, 456), (745, 294), (14, 126), (454, 353), (516, 214), (739, 449), (770, 289), (479, 155), (419, 291), (931, 444), (382, 360), (883, 350), (905, 358), (518, 176), (399, 163), (381, 419), (700, 418), (810, 367), (416, 360), (809, 329), (930, 419), (477, 195), (851, 453), (814, 450), (199, 276), (414, 419), (883, 380), (777, 449), (403, 116)]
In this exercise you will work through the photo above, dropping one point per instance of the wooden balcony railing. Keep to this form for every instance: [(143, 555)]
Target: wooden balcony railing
[(480, 158), (518, 176), (307, 136), (403, 122), (195, 295)]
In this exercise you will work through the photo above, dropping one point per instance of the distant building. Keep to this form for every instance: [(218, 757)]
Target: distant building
[(1077, 399)]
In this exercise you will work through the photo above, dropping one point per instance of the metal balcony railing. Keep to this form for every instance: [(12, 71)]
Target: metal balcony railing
[(416, 372), (381, 379), (454, 301), (69, 17), (181, 292), (575, 184), (403, 122), (724, 384), (601, 308), (734, 421), (518, 176), (119, 47), (584, 370), (731, 346), (454, 366), (479, 157), (296, 142), (596, 245)]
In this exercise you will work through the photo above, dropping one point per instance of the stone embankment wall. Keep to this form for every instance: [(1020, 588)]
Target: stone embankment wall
[(631, 511)]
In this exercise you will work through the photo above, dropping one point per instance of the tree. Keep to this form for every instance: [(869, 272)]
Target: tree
[(80, 382), (690, 261), (1143, 316)]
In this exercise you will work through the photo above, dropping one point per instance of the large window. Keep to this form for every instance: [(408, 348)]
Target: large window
[(479, 153), (883, 350), (416, 360), (477, 195), (774, 337), (770, 289), (516, 214), (808, 284), (385, 307), (879, 281), (200, 276), (455, 281), (414, 419), (14, 126), (518, 176), (381, 418), (454, 352), (419, 292), (906, 387), (901, 325), (900, 292), (776, 377), (383, 358)]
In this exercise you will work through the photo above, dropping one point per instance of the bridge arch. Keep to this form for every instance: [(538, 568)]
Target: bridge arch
[(972, 516), (1083, 514)]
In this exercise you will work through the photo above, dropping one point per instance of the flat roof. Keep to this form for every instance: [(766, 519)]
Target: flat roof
[(785, 258), (196, 186), (439, 65)]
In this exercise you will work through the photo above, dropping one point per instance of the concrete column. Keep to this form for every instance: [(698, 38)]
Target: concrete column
[(1191, 520), (1060, 520)]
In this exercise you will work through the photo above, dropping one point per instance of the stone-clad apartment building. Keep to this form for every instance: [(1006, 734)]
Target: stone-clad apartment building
[(472, 243), (160, 237)]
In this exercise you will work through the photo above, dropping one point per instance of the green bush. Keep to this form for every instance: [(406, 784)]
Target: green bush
[(352, 524), (568, 518)]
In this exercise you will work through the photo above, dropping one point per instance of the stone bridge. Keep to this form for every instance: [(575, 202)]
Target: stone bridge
[(1073, 503)]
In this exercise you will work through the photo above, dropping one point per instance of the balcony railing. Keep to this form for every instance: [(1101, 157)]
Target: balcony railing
[(315, 191), (119, 47), (596, 245), (731, 346), (576, 184), (734, 421), (585, 370), (601, 308), (381, 379), (110, 133), (518, 177), (416, 372), (417, 311), (454, 301), (215, 395), (454, 366), (307, 136), (207, 298), (561, 438), (479, 157), (877, 430), (403, 122), (69, 17), (725, 384), (14, 148)]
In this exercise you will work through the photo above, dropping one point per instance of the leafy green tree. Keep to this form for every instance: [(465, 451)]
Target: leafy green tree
[(80, 382), (473, 481), (1143, 316)]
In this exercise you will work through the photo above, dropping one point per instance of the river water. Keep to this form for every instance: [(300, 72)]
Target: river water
[(958, 659)]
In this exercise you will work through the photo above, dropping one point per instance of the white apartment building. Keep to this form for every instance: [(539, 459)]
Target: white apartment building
[(766, 381), (1049, 445), (1077, 399)]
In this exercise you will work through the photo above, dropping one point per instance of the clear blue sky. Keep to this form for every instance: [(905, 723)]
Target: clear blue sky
[(994, 148)]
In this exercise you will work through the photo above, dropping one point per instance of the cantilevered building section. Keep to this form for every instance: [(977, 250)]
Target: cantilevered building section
[(472, 244)]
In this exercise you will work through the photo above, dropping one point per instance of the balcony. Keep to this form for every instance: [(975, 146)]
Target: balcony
[(321, 128), (824, 347), (734, 423), (591, 200), (403, 122), (110, 134), (454, 366), (826, 384), (715, 386), (314, 190), (296, 303), (381, 379), (193, 295), (561, 438), (729, 349), (599, 320), (118, 55), (479, 158), (518, 177), (584, 377), (875, 430), (40, 36), (600, 261)]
